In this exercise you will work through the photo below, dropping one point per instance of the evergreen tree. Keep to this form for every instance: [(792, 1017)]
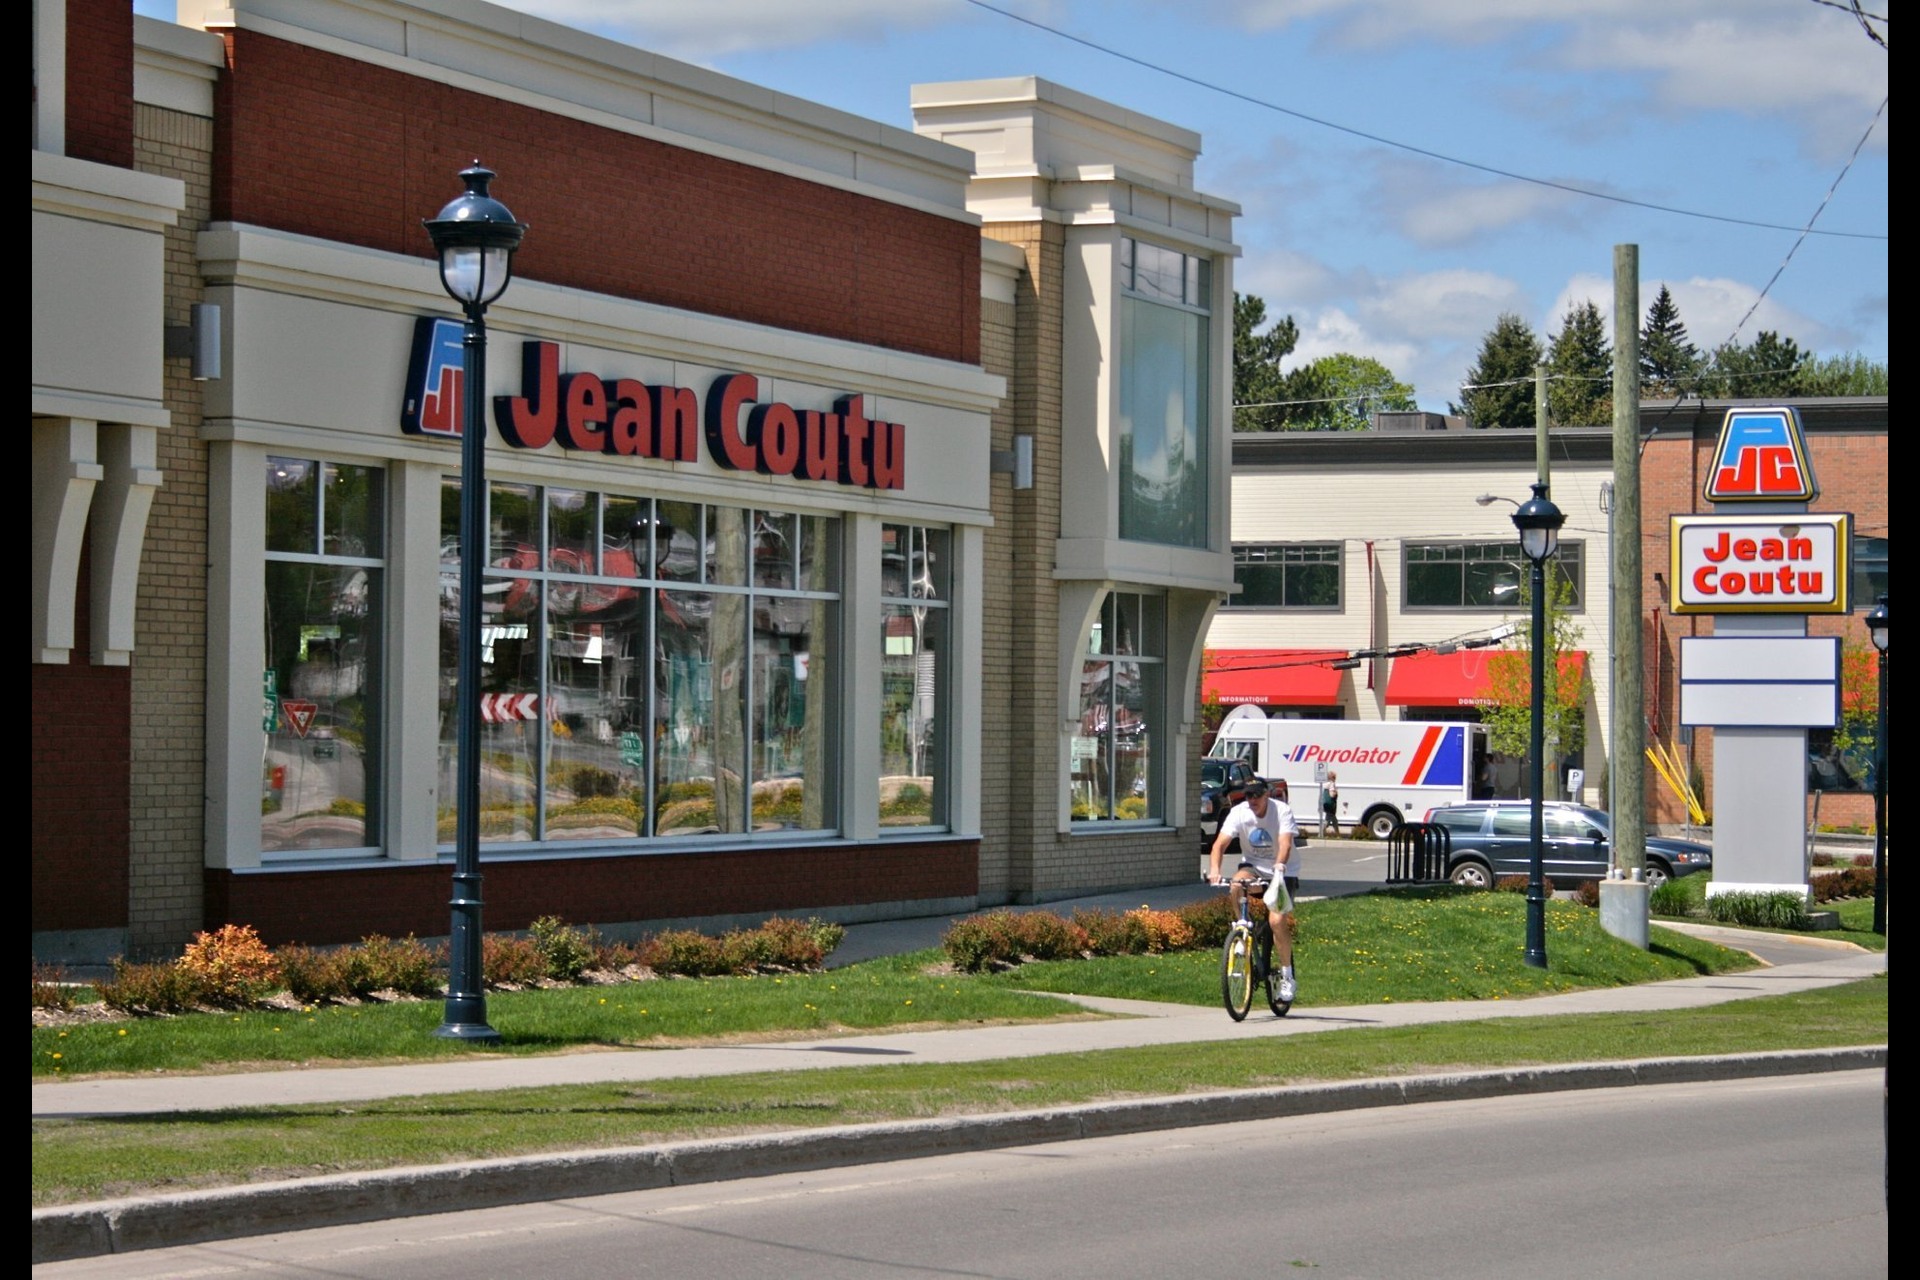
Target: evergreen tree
[(1669, 363), (1257, 379), (1499, 387), (1770, 368), (1580, 368)]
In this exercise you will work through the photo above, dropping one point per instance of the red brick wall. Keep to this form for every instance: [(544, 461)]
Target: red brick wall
[(322, 906), (1851, 468), (81, 730), (100, 81), (327, 146)]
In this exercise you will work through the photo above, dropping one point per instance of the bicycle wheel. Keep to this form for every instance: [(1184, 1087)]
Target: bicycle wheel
[(1274, 1002), (1236, 972)]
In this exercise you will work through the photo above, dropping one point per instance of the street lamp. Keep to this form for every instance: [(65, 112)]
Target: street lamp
[(1877, 628), (475, 236), (1538, 521)]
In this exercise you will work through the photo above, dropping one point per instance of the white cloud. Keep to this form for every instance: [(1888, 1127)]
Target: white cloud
[(1439, 216)]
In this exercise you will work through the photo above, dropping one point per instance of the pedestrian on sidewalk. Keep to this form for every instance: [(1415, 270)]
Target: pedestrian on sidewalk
[(1330, 804)]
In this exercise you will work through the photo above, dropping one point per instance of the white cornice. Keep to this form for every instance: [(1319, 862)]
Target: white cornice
[(103, 193)]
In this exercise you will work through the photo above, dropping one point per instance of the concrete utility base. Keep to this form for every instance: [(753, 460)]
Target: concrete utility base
[(1623, 910)]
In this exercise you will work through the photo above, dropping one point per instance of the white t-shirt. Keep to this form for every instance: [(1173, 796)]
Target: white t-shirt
[(1260, 836)]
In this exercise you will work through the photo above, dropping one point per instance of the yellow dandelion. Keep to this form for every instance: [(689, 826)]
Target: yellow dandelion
[(122, 1031)]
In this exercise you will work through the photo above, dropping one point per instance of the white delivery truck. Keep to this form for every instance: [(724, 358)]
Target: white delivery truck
[(1389, 771)]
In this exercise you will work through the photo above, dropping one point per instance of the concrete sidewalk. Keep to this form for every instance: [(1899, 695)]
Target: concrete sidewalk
[(1796, 964)]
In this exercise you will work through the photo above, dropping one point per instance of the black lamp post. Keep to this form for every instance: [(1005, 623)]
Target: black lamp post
[(1877, 628), (475, 236), (1538, 521)]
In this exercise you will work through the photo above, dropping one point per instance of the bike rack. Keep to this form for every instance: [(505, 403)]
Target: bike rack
[(1418, 853)]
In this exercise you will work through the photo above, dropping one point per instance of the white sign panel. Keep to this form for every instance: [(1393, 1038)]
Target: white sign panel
[(1785, 682), (1795, 563)]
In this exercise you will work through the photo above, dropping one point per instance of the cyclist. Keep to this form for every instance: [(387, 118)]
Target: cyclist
[(1265, 828)]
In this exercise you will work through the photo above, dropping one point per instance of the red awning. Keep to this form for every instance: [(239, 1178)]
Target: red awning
[(1273, 677), (1456, 679)]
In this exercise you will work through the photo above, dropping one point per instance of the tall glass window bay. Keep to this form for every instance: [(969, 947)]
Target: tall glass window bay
[(325, 557), (1164, 373), (916, 592), (649, 669), (1122, 712)]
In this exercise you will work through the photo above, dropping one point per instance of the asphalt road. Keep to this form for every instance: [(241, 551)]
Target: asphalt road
[(1737, 1179)]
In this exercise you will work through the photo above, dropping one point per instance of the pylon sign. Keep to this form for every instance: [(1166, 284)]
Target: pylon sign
[(1761, 457)]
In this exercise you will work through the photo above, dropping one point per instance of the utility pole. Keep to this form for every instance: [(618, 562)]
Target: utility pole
[(1543, 466), (1623, 901)]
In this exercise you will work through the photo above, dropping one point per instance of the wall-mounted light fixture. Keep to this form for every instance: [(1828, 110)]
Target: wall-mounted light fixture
[(1016, 462), (197, 341)]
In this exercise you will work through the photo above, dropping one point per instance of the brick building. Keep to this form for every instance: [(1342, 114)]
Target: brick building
[(774, 619)]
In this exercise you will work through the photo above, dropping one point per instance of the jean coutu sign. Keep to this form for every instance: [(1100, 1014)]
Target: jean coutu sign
[(1789, 563), (624, 417)]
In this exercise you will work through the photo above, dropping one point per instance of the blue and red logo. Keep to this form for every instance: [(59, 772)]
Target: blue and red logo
[(1761, 457), (436, 378)]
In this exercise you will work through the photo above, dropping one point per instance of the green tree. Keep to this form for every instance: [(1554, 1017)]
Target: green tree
[(1769, 367), (1580, 362), (1669, 362), (1499, 386), (1257, 380), (1844, 375), (1508, 713), (1348, 389)]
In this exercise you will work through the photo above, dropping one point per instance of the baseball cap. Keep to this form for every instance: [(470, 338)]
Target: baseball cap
[(1258, 787)]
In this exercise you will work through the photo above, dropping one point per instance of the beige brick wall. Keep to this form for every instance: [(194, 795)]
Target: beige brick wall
[(170, 649)]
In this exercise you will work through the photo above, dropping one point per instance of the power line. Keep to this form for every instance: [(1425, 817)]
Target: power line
[(1407, 146)]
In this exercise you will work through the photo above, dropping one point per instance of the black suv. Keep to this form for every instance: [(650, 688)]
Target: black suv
[(1494, 838)]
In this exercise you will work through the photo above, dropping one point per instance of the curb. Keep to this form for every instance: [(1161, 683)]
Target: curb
[(125, 1226)]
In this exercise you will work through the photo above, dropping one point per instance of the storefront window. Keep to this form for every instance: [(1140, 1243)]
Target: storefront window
[(916, 590), (1164, 372), (1483, 575), (635, 682), (1122, 702), (324, 560)]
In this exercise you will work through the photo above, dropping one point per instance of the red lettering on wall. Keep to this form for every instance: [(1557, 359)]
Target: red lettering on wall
[(819, 445), (586, 398), (528, 421), (630, 434), (675, 422), (889, 455), (855, 458), (775, 432), (725, 444)]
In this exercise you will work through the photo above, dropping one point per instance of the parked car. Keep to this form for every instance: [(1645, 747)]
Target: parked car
[(1223, 784), (1494, 838)]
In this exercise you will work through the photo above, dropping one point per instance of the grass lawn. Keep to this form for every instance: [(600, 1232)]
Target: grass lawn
[(1856, 915), (75, 1160)]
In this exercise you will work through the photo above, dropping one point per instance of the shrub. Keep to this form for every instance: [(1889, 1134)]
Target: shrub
[(231, 967), (1848, 882), (1587, 893), (1780, 910), (405, 965), (565, 951), (974, 944), (800, 944), (684, 952), (1863, 860), (1822, 859), (1112, 933), (614, 956), (1046, 936), (149, 988), (509, 961), (1670, 899), (1208, 918), (1518, 884), (1006, 937), (314, 977), (51, 989)]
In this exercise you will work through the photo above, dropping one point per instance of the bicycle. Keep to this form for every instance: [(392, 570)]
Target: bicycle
[(1249, 939)]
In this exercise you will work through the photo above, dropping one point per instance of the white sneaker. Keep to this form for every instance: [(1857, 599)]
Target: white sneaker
[(1286, 989)]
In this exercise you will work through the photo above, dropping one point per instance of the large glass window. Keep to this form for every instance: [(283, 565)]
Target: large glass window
[(325, 552), (1286, 575), (1122, 708), (916, 589), (648, 668), (1164, 370), (1869, 571), (1483, 575)]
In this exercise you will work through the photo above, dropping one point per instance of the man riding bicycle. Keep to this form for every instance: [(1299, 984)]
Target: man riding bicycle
[(1265, 828)]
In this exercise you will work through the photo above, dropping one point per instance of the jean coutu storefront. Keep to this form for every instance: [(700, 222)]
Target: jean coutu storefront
[(730, 626)]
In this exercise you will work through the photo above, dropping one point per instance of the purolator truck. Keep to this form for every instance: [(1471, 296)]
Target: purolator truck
[(1389, 771)]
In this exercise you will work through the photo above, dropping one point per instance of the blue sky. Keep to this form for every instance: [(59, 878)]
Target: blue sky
[(1740, 109)]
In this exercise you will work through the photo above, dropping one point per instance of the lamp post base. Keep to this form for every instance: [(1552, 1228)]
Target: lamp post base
[(1624, 911), (470, 1032)]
